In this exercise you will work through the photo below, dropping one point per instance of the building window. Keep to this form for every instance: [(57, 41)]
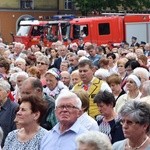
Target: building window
[(26, 4), (68, 4)]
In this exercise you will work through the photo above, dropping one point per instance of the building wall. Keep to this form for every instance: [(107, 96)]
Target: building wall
[(38, 4), (45, 4), (9, 22), (10, 13), (9, 4)]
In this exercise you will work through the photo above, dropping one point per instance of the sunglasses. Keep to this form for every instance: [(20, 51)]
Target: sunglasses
[(41, 63)]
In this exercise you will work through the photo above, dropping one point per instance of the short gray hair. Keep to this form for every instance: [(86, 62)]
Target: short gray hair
[(19, 59), (43, 58), (138, 111), (141, 73), (66, 94), (146, 88), (95, 138), (4, 85), (22, 73)]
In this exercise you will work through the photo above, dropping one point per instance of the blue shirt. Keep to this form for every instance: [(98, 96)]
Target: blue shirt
[(55, 140), (95, 59)]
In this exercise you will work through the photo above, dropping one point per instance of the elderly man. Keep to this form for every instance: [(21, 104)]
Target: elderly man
[(73, 62), (33, 85), (90, 84), (62, 50), (62, 136), (7, 109), (66, 78)]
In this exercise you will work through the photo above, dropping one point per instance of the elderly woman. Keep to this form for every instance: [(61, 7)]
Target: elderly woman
[(133, 84), (21, 63), (75, 77), (53, 83), (121, 68), (93, 140), (135, 119), (7, 109), (142, 73), (108, 120), (42, 65), (102, 74), (20, 77), (29, 135)]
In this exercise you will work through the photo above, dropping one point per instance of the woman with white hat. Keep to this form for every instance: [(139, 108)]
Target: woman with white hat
[(53, 83), (133, 92)]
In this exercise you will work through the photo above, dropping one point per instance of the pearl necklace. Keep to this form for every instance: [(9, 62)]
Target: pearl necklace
[(139, 145)]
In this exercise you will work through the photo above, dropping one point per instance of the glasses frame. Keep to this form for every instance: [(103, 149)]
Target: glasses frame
[(128, 122), (67, 107), (41, 63)]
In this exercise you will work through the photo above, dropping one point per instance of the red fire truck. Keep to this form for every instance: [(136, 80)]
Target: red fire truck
[(107, 29)]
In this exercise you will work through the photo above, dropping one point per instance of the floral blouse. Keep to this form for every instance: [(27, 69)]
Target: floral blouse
[(12, 142)]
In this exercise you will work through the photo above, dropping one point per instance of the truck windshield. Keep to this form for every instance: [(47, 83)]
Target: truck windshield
[(66, 31), (80, 31), (57, 31), (23, 31)]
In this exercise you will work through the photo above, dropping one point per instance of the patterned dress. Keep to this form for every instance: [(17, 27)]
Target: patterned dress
[(12, 142), (111, 128)]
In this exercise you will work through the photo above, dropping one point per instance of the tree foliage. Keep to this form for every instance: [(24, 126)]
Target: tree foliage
[(88, 6)]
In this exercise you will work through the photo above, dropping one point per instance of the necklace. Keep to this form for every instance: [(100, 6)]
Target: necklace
[(139, 145)]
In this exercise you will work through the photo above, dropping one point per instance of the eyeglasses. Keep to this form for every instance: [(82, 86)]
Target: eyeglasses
[(128, 122), (67, 107), (41, 63)]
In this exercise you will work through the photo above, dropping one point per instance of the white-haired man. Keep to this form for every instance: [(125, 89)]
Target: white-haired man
[(63, 134), (7, 109)]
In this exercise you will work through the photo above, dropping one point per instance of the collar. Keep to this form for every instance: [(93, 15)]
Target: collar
[(74, 128)]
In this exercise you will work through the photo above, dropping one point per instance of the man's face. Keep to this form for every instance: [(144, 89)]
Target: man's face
[(92, 52), (65, 78), (64, 66), (27, 89), (86, 74), (67, 112), (62, 52), (73, 61)]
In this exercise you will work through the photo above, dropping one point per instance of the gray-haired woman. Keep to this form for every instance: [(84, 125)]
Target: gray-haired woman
[(135, 119), (93, 140)]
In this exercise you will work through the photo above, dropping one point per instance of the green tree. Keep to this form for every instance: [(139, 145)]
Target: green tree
[(87, 6)]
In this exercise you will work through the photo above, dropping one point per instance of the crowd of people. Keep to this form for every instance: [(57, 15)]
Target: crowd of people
[(79, 96)]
